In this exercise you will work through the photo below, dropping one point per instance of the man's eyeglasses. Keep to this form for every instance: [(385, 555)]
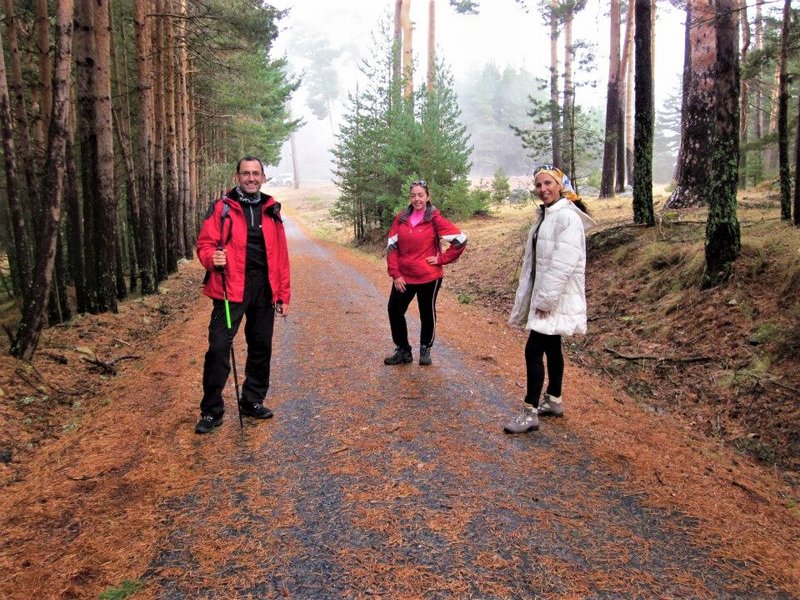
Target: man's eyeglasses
[(421, 182), (250, 173)]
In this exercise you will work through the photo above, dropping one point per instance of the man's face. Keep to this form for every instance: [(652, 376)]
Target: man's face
[(250, 176)]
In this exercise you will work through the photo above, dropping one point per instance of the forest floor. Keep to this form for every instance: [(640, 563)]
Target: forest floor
[(684, 403)]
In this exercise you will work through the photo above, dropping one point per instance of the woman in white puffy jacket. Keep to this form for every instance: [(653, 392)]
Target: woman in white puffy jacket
[(551, 296)]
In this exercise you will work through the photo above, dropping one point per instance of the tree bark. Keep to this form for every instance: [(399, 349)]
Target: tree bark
[(408, 69), (722, 229), (34, 306), (397, 63), (187, 184), (692, 184), (159, 205), (144, 72), (28, 156), (19, 227), (105, 211), (744, 101), (173, 199), (783, 116), (629, 116), (645, 116), (85, 52), (75, 238), (45, 63), (797, 175), (431, 44), (625, 83), (555, 118), (568, 110), (612, 105)]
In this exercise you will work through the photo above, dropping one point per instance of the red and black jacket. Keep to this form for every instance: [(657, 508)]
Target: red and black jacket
[(227, 228), (408, 246)]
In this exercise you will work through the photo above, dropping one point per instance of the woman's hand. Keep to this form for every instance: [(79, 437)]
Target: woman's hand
[(400, 284), (542, 314), (432, 260)]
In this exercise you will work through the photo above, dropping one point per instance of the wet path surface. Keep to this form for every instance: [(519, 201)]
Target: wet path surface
[(397, 482)]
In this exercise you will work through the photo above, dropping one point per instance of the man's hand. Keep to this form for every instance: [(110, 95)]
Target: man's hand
[(220, 259)]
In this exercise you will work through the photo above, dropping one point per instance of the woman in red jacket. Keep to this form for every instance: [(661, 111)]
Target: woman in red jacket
[(414, 259)]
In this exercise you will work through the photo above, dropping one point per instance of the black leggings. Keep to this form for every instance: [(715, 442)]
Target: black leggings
[(426, 301), (537, 347)]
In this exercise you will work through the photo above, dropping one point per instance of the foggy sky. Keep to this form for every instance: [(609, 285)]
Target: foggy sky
[(502, 33)]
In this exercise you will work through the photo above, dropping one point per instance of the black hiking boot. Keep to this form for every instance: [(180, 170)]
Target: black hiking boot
[(401, 356), (255, 410), (207, 423), (425, 355)]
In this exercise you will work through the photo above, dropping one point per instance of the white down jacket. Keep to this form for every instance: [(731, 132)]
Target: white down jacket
[(558, 285)]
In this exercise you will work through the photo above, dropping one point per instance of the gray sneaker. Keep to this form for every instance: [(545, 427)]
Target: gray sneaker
[(527, 420), (551, 406)]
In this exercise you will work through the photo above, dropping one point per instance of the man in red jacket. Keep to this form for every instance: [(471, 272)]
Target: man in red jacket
[(242, 244)]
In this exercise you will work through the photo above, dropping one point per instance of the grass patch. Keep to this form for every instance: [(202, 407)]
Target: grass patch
[(126, 589)]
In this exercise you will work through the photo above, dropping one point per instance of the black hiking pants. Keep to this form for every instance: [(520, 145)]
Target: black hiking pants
[(259, 314), (540, 345), (426, 301)]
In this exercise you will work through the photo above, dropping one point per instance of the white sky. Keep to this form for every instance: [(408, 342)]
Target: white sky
[(501, 33)]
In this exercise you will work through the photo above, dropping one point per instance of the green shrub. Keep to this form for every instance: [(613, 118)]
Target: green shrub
[(501, 188)]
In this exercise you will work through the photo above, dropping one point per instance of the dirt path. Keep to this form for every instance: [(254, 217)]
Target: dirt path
[(393, 482)]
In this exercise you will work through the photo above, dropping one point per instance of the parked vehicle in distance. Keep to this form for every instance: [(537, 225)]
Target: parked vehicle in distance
[(283, 179)]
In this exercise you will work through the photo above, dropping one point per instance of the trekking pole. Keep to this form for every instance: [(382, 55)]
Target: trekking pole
[(233, 354)]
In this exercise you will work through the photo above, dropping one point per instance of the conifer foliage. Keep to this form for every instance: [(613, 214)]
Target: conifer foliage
[(387, 141)]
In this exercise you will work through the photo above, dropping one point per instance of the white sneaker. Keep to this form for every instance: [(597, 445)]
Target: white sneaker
[(551, 406), (527, 420)]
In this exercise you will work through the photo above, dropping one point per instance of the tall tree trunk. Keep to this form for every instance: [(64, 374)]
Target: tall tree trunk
[(692, 182), (75, 238), (144, 72), (159, 208), (759, 34), (797, 175), (783, 116), (744, 101), (187, 184), (625, 83), (397, 61), (757, 170), (629, 117), (645, 116), (408, 69), (28, 156), (612, 105), (34, 306), (45, 63), (22, 241), (722, 229), (431, 44), (174, 224), (555, 118), (85, 52), (105, 212), (772, 121), (568, 109)]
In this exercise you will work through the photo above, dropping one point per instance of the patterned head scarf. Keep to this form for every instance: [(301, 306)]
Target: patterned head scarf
[(567, 191)]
